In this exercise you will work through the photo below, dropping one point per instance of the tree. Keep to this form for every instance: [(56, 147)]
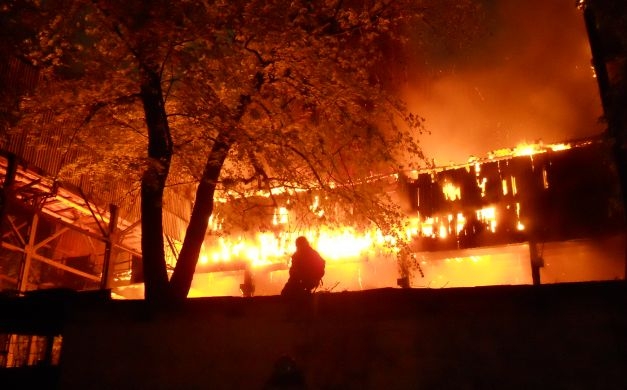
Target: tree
[(237, 96)]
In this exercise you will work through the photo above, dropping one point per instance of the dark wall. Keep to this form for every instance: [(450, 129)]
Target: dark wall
[(507, 337)]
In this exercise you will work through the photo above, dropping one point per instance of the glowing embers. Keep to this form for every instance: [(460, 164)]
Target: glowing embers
[(280, 217), (453, 224), (519, 225), (514, 187), (545, 178), (488, 216), (451, 191), (482, 185), (526, 149), (559, 147), (315, 207), (438, 227)]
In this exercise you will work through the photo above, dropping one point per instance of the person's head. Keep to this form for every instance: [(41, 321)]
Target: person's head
[(301, 243)]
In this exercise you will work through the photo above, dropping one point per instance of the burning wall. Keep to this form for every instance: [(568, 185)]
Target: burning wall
[(559, 194)]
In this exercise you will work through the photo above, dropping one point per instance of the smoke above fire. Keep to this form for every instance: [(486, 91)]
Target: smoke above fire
[(513, 72)]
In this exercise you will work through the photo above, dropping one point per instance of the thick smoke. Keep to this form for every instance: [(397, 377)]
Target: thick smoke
[(522, 73)]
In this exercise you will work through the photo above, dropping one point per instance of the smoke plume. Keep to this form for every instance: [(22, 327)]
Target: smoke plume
[(521, 73)]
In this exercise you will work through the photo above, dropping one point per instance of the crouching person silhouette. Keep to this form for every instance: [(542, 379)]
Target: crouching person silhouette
[(306, 271)]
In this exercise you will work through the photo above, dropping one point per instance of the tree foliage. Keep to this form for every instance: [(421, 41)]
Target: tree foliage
[(243, 98)]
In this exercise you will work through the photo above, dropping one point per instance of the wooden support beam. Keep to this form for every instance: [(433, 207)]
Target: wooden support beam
[(51, 262), (51, 238), (22, 284)]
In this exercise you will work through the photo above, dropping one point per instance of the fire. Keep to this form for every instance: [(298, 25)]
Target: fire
[(348, 250), (527, 149), (559, 147), (280, 216), (451, 191), (488, 215), (346, 243), (262, 249)]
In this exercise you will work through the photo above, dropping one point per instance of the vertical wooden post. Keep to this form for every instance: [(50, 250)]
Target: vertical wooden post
[(22, 284), (536, 260), (47, 358)]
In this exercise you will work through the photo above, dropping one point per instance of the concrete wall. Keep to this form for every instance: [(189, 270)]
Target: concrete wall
[(509, 337)]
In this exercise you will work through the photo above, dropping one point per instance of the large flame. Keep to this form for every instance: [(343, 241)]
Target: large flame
[(345, 245), (363, 258)]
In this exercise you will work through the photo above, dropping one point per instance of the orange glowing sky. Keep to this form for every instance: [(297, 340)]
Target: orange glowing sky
[(523, 75)]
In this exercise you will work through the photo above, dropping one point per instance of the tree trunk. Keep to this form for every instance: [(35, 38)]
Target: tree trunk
[(153, 182), (203, 207)]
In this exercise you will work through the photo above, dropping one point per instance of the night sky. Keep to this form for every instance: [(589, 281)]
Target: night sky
[(516, 71)]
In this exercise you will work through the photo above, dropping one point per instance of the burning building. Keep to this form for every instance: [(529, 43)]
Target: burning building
[(518, 216), (530, 214), (85, 235), (56, 237)]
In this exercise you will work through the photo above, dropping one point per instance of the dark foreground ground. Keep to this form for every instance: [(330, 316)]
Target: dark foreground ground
[(561, 336)]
